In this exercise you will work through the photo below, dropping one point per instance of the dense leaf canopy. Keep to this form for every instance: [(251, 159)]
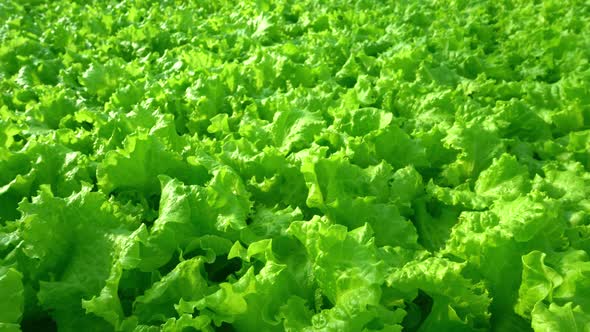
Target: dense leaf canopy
[(294, 165)]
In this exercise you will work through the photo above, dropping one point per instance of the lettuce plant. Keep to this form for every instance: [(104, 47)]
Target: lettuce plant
[(279, 165)]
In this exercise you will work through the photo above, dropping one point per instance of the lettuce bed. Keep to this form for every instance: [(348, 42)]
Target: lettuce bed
[(294, 165)]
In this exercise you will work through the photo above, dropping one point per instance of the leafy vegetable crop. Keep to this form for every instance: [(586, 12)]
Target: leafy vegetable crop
[(294, 165)]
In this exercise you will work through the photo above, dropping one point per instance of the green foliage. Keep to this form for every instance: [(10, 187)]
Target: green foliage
[(279, 165)]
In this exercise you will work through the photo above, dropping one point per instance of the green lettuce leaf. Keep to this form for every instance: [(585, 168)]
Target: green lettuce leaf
[(13, 303)]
